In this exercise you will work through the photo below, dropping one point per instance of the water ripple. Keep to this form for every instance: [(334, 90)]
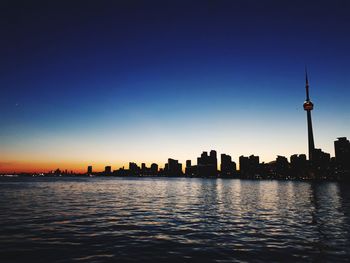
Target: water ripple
[(149, 219)]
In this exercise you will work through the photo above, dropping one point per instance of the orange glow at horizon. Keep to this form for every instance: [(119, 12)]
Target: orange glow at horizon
[(38, 167), (35, 167), (45, 167)]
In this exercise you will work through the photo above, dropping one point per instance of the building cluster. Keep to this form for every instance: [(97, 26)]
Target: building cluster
[(322, 166)]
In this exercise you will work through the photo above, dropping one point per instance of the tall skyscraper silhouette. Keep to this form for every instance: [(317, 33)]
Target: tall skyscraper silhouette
[(308, 107), (342, 153)]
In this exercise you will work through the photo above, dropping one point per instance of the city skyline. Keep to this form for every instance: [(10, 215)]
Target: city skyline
[(144, 83), (322, 161), (320, 166)]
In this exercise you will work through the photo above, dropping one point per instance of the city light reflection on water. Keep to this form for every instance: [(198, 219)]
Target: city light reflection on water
[(148, 219)]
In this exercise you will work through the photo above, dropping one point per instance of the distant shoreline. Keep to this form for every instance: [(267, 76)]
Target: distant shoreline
[(257, 178)]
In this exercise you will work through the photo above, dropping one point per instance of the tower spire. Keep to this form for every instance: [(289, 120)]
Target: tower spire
[(307, 85)]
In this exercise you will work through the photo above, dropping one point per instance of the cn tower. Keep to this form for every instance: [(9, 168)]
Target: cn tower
[(308, 107)]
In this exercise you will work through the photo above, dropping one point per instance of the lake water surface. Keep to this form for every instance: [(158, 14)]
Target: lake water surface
[(172, 219)]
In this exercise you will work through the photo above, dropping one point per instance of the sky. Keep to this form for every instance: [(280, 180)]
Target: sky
[(107, 82)]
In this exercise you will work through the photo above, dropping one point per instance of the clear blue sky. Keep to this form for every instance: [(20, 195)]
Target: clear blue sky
[(108, 82)]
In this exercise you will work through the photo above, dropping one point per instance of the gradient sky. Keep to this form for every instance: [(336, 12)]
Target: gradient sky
[(108, 82)]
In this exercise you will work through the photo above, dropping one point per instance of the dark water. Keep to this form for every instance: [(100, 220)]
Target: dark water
[(185, 220)]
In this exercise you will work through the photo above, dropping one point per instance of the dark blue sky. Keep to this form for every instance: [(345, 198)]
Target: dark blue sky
[(183, 74)]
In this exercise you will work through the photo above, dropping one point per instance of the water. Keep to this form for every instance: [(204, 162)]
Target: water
[(172, 219)]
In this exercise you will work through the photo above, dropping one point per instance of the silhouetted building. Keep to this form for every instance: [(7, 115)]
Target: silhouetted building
[(213, 160), (254, 160), (321, 159), (143, 168), (282, 166), (228, 167), (299, 165), (203, 159), (134, 169), (342, 153), (243, 164), (89, 169), (189, 169), (308, 107), (108, 169), (173, 168), (154, 169), (207, 165), (249, 166), (121, 172), (298, 161)]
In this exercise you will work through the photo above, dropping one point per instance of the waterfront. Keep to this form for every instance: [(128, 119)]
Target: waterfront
[(173, 219)]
